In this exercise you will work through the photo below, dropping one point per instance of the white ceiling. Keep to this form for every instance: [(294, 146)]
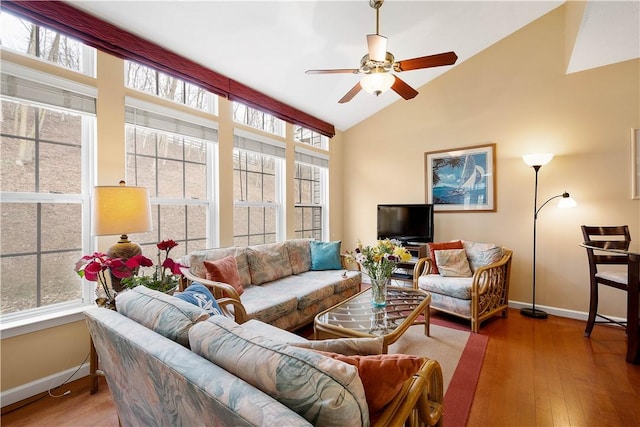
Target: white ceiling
[(268, 45)]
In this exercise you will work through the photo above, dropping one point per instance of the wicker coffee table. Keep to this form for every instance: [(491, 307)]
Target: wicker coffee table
[(356, 317)]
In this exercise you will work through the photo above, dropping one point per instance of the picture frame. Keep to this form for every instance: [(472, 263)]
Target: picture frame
[(461, 179), (635, 164)]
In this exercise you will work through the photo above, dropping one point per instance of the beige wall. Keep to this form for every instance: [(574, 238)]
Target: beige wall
[(515, 94)]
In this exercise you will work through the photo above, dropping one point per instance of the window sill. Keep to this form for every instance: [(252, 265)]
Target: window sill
[(38, 322)]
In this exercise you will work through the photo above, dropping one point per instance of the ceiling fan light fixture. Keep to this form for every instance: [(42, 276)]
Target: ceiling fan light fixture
[(377, 47), (377, 82)]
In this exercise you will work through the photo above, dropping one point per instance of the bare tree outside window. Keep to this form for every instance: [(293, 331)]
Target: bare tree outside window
[(257, 119), (25, 37), (255, 182), (151, 81)]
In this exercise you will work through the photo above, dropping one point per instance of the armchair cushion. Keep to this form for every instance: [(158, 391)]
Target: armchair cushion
[(482, 254), (453, 263), (225, 270), (456, 244)]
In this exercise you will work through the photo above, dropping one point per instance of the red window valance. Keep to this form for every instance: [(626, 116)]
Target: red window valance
[(99, 34)]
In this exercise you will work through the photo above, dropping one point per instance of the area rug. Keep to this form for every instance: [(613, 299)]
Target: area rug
[(460, 354)]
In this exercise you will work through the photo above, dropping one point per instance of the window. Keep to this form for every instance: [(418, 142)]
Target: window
[(28, 38), (47, 133), (310, 137), (257, 182), (174, 157), (151, 81), (310, 195), (257, 119)]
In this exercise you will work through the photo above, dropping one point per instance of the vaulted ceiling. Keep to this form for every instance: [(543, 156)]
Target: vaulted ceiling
[(268, 45)]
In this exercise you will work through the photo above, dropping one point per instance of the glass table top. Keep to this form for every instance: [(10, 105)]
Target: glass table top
[(359, 315)]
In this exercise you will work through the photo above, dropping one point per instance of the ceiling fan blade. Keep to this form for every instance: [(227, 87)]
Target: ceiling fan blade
[(403, 89), (349, 95), (336, 71), (377, 45), (447, 58)]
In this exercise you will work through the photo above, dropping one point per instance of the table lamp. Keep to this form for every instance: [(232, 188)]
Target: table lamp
[(121, 210)]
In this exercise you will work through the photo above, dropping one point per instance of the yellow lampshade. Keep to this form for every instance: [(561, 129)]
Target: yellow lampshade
[(120, 210), (537, 159)]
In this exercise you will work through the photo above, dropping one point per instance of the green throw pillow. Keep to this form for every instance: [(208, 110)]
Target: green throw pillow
[(325, 255)]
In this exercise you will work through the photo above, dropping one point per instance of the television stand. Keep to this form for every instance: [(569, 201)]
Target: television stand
[(403, 276)]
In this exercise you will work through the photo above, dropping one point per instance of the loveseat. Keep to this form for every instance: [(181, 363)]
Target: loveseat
[(284, 284), (167, 362), (466, 279)]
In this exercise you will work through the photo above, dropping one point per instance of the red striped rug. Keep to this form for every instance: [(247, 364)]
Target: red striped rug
[(460, 354)]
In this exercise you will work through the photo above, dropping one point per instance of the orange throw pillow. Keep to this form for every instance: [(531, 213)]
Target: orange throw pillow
[(225, 270), (382, 375), (433, 247)]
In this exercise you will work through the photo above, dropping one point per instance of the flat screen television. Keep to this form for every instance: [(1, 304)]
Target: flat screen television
[(407, 223)]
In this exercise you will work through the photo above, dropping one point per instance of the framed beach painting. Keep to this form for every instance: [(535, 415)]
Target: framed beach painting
[(461, 179)]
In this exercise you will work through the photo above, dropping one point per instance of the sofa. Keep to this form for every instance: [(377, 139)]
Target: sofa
[(467, 279), (284, 284), (168, 362)]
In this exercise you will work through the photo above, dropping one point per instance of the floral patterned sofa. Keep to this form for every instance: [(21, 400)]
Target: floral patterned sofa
[(466, 279), (281, 284), (167, 362)]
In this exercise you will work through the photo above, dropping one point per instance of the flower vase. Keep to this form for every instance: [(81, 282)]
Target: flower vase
[(379, 291)]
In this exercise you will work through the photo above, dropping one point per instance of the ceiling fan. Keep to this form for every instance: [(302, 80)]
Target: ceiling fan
[(378, 64)]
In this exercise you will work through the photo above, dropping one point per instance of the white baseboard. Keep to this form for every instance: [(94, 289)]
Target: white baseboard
[(561, 312), (42, 385)]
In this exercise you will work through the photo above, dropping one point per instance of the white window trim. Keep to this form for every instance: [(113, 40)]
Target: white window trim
[(38, 319)]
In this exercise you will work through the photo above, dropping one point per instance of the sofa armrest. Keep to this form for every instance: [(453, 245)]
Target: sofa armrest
[(419, 402), (493, 276), (218, 289), (233, 309), (349, 263), (422, 268)]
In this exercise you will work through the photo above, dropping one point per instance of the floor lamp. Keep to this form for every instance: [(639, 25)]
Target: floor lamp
[(536, 161)]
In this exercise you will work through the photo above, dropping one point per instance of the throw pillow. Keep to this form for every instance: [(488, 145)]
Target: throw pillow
[(325, 255), (453, 263), (225, 270), (457, 244), (382, 375), (167, 315), (482, 254), (326, 392), (198, 294)]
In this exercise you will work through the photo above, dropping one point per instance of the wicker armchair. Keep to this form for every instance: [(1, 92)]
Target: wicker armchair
[(476, 298)]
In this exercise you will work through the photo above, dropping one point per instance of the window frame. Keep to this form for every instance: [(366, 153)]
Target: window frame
[(323, 169), (210, 201), (38, 318)]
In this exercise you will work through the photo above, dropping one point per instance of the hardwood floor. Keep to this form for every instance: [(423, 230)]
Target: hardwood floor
[(535, 373)]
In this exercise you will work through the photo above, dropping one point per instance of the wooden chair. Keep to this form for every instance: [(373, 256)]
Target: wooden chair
[(615, 235)]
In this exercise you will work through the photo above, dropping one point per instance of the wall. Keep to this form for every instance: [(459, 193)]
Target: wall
[(517, 95)]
